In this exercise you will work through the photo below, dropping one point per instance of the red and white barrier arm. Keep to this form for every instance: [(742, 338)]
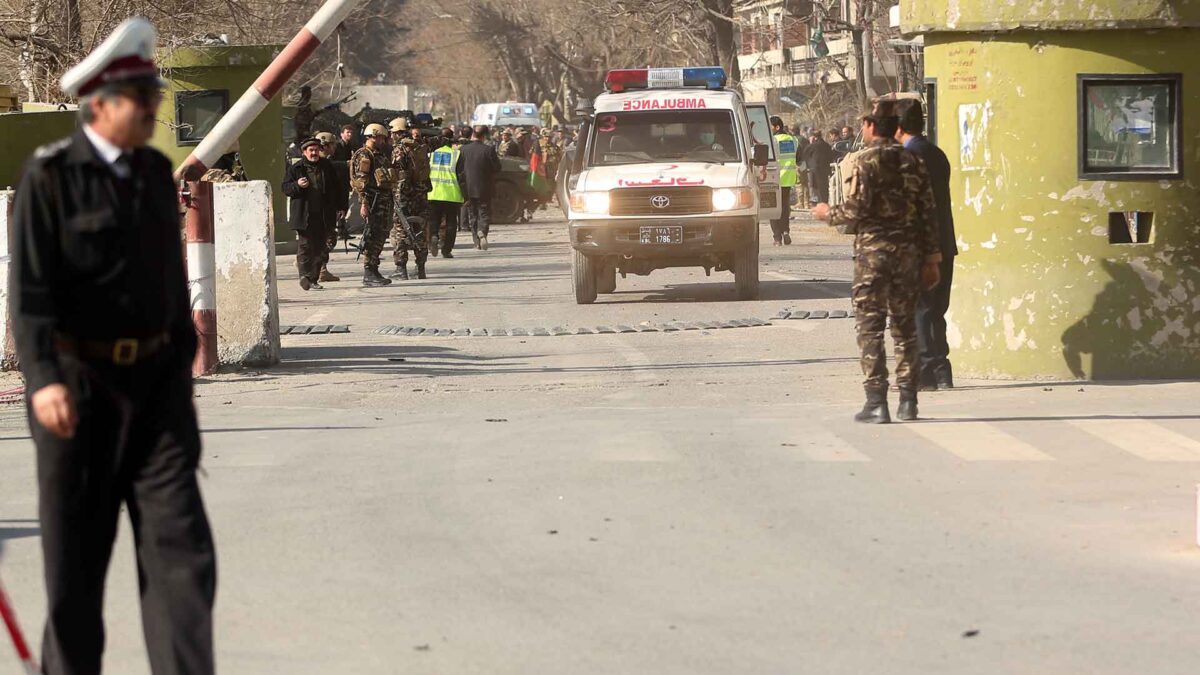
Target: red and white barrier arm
[(14, 632), (256, 98)]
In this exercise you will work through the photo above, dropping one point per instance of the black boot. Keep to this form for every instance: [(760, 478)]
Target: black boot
[(907, 411), (401, 272), (421, 260), (876, 409), (373, 279)]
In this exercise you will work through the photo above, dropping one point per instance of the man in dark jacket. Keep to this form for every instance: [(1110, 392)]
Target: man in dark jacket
[(480, 165), (935, 370), (315, 202), (818, 156)]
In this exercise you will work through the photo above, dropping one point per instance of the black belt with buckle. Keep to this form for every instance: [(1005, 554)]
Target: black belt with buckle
[(119, 352)]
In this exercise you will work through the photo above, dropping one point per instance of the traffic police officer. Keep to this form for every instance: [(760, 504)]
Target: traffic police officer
[(104, 334), (781, 229), (372, 181), (446, 194)]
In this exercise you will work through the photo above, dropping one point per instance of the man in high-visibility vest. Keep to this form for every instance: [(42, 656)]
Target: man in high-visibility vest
[(446, 197), (781, 229)]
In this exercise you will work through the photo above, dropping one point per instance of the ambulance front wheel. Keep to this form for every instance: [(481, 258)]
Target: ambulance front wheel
[(584, 273), (745, 270)]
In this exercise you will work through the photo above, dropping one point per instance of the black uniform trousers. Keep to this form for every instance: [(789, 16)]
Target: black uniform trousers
[(137, 445), (312, 250), (784, 222), (931, 327), (479, 216), (443, 223)]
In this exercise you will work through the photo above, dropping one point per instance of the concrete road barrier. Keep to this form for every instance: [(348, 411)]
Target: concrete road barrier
[(247, 297)]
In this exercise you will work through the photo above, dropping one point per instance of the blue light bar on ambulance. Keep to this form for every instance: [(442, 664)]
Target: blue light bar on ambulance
[(618, 81)]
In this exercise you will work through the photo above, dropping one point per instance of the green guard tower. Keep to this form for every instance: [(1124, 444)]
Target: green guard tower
[(1073, 129)]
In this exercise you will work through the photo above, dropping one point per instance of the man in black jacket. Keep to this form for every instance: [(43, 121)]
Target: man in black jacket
[(103, 326), (315, 202), (818, 157), (935, 369), (480, 165)]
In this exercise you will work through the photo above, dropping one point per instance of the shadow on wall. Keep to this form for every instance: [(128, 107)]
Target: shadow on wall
[(1143, 324)]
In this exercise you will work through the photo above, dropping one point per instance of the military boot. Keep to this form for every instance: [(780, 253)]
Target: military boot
[(327, 276), (876, 409), (907, 411), (400, 273), (421, 260), (373, 279)]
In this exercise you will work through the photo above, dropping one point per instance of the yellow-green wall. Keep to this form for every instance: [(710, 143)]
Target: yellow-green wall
[(22, 133), (1039, 291), (233, 69), (922, 16)]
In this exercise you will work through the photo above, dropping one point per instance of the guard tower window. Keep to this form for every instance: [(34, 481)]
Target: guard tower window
[(1130, 127), (197, 112)]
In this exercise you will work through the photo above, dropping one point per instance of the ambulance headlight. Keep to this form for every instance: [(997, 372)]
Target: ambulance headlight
[(590, 202), (728, 199)]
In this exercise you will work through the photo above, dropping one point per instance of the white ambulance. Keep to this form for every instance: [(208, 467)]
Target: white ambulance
[(668, 177)]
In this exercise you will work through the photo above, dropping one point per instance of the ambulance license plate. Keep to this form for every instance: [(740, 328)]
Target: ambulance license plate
[(671, 234)]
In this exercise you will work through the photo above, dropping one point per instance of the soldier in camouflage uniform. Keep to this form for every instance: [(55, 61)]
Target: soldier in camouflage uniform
[(410, 202), (890, 209), (372, 179)]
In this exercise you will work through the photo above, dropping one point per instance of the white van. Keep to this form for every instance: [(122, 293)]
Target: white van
[(669, 177), (510, 114)]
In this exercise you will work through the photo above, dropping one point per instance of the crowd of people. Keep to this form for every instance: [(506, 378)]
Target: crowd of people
[(417, 187)]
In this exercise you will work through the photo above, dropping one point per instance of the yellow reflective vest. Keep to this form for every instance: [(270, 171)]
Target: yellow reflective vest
[(788, 176), (443, 176)]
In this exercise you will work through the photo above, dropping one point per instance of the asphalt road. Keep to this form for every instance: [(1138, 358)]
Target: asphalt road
[(658, 502)]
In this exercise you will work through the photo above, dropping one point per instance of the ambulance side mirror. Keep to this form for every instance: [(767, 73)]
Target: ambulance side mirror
[(762, 154)]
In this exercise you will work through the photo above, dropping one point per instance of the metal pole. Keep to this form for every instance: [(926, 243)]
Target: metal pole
[(256, 98), (202, 273)]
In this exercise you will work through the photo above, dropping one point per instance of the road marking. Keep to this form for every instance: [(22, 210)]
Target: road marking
[(1143, 438), (823, 446), (978, 442)]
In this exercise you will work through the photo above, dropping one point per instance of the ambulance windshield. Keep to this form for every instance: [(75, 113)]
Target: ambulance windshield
[(640, 137)]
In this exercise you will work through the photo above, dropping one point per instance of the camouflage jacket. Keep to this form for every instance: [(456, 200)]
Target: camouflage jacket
[(371, 173), (411, 173), (889, 202)]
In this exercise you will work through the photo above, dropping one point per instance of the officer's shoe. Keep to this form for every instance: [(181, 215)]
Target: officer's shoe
[(483, 245), (907, 412), (400, 273), (787, 238), (327, 276), (447, 254), (305, 283), (876, 409), (421, 271), (316, 286)]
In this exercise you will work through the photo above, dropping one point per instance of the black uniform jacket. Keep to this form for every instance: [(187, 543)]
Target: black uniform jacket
[(938, 167), (480, 165), (95, 257), (316, 206)]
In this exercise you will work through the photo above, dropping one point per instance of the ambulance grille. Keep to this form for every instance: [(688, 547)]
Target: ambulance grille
[(680, 201)]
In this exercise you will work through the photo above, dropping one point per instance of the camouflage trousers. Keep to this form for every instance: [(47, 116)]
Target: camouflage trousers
[(887, 284), (411, 238), (379, 221)]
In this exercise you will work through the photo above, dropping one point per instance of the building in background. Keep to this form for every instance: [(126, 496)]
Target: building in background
[(1073, 133), (818, 61)]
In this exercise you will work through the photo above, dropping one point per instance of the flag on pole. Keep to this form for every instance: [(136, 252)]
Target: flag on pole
[(537, 174)]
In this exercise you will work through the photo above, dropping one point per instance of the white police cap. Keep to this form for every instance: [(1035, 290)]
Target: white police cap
[(127, 55)]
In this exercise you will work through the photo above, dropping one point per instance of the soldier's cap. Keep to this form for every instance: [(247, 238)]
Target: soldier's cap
[(399, 124), (309, 142), (125, 56), (326, 138), (881, 110), (375, 130)]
